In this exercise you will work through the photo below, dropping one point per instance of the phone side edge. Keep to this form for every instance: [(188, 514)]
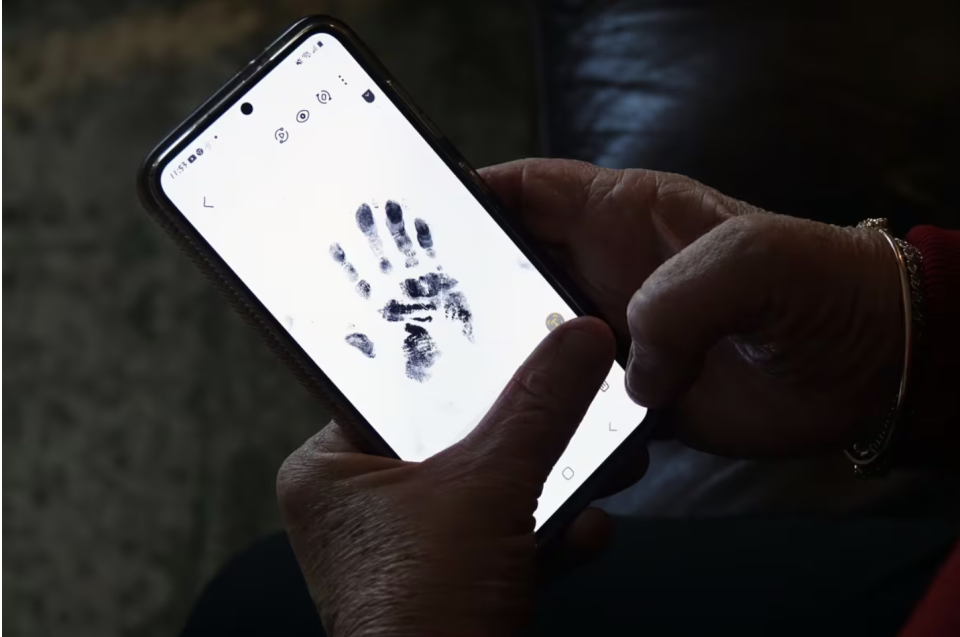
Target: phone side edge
[(226, 282)]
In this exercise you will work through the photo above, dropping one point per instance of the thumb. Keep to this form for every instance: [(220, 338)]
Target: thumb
[(529, 426), (715, 287)]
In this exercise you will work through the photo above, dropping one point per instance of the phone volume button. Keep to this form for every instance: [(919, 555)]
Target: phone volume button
[(467, 168), (476, 178), (429, 124), (402, 92)]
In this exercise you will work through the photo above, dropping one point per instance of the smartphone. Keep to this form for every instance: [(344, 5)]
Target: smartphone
[(370, 256)]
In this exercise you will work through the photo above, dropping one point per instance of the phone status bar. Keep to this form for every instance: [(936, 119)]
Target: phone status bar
[(196, 155), (308, 52)]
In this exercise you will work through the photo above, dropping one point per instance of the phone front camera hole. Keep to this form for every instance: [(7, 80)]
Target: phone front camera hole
[(246, 108)]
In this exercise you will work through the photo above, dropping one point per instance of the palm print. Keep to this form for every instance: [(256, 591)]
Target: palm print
[(420, 297)]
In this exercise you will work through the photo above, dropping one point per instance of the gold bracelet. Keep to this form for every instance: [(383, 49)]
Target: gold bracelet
[(871, 456)]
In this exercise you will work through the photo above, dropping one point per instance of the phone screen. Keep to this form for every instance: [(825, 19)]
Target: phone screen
[(340, 217)]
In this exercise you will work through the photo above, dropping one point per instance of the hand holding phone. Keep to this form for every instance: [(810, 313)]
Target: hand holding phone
[(465, 515), (371, 257)]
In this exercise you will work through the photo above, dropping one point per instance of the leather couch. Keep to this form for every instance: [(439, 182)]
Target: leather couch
[(835, 111)]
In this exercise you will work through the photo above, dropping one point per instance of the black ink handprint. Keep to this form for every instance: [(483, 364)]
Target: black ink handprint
[(422, 296)]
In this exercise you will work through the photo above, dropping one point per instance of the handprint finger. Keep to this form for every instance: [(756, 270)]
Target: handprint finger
[(424, 238), (369, 229), (362, 343), (362, 287), (420, 351), (427, 286), (456, 309), (340, 257), (395, 311), (399, 233)]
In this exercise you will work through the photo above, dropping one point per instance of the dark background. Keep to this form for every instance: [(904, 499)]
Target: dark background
[(144, 422)]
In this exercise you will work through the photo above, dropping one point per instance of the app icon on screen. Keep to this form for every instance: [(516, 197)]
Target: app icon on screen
[(554, 320)]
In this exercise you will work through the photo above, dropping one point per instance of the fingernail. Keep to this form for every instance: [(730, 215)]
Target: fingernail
[(628, 377), (632, 372)]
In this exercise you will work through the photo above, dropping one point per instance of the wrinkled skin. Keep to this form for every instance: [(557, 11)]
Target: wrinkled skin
[(760, 335), (763, 335), (445, 546)]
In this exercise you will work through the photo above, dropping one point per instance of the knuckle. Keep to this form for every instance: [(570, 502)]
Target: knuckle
[(300, 481), (672, 185), (641, 388), (638, 314), (643, 361), (532, 393), (685, 209), (603, 186), (678, 195), (743, 227), (292, 480), (752, 239), (638, 303)]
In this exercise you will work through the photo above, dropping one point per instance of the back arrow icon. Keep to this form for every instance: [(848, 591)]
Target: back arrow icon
[(205, 203), (610, 426)]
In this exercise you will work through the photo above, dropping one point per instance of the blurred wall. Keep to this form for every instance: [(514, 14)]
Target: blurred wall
[(143, 421)]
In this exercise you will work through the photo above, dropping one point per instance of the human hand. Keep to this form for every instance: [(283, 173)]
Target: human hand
[(444, 546), (772, 336), (608, 229), (761, 335)]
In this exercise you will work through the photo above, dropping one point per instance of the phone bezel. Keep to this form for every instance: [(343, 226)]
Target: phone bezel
[(169, 217)]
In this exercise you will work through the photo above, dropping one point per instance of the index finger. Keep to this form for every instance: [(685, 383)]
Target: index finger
[(549, 196)]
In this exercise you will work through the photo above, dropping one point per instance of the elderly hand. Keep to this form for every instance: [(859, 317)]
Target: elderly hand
[(445, 546), (762, 335)]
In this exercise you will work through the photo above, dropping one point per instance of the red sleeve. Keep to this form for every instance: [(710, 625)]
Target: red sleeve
[(935, 427), (938, 613), (936, 423)]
